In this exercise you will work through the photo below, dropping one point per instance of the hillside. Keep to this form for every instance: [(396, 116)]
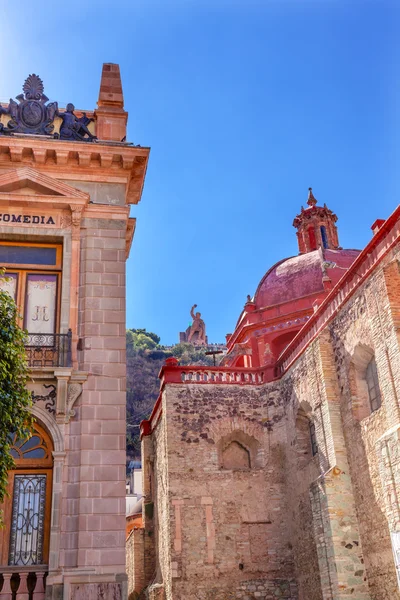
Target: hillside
[(144, 359)]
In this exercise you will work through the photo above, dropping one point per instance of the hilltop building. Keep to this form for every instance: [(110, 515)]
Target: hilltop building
[(277, 474), (67, 180)]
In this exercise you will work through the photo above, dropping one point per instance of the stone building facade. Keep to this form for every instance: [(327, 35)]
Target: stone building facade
[(67, 180), (280, 477)]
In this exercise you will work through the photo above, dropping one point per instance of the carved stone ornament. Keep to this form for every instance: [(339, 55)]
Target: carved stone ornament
[(65, 221), (74, 391), (31, 114), (76, 214), (49, 399)]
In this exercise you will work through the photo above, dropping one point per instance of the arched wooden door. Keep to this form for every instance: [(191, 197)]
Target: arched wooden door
[(25, 538)]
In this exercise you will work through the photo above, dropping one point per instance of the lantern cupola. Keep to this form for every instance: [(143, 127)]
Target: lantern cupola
[(316, 227)]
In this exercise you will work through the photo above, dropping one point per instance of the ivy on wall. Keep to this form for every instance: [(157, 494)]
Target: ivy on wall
[(15, 399)]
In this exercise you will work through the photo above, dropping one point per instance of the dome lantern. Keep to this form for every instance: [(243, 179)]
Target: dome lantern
[(316, 227)]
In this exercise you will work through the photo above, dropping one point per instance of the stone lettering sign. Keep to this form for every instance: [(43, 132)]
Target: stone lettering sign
[(21, 219)]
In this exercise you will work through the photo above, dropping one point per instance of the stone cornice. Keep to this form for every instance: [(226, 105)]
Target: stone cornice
[(98, 159)]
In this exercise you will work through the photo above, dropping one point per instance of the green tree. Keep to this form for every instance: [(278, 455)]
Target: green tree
[(15, 398), (140, 340), (191, 355)]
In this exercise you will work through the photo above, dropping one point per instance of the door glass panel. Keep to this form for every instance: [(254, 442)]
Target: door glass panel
[(40, 306), (27, 523), (8, 283)]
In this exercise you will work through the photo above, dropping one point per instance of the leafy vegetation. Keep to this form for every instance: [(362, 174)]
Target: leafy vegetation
[(144, 359), (15, 398)]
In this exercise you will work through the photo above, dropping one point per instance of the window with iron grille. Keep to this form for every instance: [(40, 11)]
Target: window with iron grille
[(374, 391), (27, 523), (313, 437), (25, 537)]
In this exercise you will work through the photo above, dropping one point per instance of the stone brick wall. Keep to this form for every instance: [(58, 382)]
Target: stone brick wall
[(292, 524), (135, 561), (160, 518), (224, 525), (369, 322), (93, 529)]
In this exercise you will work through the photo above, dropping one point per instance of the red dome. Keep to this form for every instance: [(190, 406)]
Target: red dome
[(301, 276)]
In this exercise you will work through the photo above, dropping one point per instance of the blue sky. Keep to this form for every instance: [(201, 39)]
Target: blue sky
[(245, 105)]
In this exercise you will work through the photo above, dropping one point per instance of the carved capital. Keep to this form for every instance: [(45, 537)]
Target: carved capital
[(76, 217)]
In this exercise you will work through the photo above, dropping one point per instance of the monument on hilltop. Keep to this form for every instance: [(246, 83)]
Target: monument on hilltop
[(196, 332)]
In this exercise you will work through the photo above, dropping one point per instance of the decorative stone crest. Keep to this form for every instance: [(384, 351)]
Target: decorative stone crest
[(32, 115)]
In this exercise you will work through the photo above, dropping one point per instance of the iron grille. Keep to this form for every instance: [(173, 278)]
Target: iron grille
[(49, 349), (26, 542), (313, 436)]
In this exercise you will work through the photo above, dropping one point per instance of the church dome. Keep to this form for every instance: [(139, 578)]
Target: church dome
[(291, 290), (300, 276)]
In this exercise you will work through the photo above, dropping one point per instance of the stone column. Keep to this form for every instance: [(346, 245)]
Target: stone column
[(55, 527), (76, 213)]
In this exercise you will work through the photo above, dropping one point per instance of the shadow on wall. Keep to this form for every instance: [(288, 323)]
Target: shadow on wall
[(362, 427)]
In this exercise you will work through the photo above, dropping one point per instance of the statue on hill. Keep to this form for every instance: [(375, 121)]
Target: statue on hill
[(196, 332)]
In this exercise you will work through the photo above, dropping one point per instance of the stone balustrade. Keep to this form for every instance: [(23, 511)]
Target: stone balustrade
[(221, 375), (23, 583), (173, 373)]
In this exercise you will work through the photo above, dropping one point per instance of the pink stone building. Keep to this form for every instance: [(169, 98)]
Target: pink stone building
[(277, 474), (67, 180)]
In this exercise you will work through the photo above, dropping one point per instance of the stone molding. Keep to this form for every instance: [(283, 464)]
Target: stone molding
[(51, 154), (57, 436)]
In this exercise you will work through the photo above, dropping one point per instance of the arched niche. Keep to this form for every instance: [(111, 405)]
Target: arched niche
[(237, 450)]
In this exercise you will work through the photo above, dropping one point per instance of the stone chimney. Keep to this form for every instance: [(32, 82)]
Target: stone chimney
[(377, 225), (111, 119)]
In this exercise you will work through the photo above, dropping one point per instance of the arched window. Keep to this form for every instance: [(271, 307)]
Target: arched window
[(312, 238), (364, 384), (313, 438), (374, 391), (25, 539), (306, 439), (324, 236)]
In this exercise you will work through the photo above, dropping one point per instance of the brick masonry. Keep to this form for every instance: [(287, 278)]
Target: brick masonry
[(291, 525)]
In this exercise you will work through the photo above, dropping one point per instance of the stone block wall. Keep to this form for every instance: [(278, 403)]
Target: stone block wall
[(321, 486), (369, 324), (289, 489), (219, 527), (93, 526), (135, 561)]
